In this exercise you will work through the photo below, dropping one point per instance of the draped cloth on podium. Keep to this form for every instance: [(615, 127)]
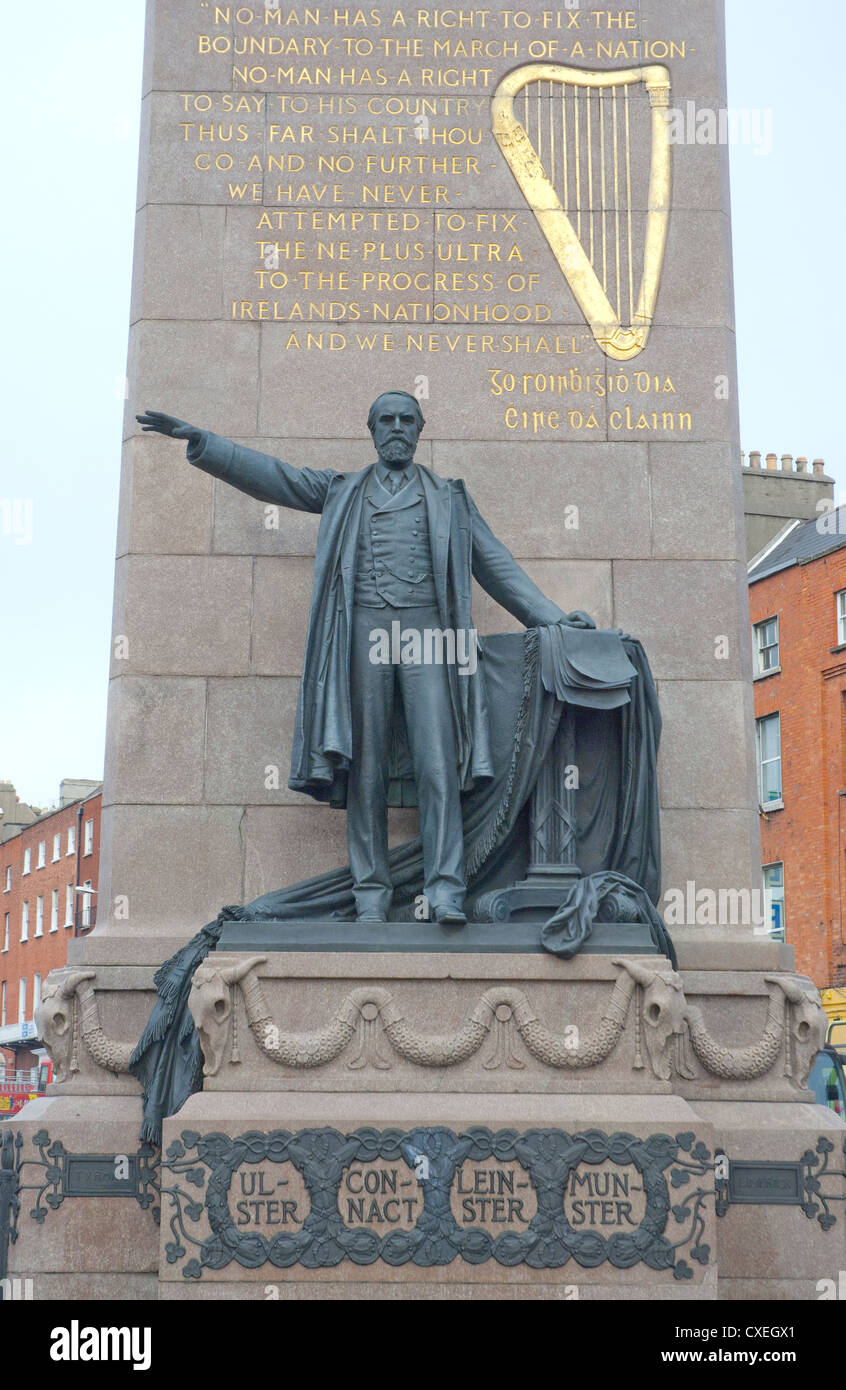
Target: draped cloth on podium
[(532, 679)]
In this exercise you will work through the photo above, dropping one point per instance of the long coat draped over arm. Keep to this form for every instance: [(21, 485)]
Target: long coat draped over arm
[(463, 547)]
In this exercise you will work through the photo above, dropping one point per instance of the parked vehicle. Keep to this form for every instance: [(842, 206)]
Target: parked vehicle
[(834, 1003), (827, 1081), (836, 1037)]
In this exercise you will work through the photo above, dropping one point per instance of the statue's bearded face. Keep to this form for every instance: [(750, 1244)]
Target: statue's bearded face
[(395, 430)]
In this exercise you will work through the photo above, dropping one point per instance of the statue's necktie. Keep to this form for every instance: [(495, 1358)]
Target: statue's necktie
[(395, 482)]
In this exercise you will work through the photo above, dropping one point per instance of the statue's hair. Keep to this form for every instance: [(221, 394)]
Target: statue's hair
[(371, 417)]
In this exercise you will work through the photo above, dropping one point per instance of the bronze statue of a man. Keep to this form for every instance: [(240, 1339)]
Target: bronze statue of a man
[(396, 552)]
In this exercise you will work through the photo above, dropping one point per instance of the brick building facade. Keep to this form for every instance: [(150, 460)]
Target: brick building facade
[(797, 595), (41, 867)]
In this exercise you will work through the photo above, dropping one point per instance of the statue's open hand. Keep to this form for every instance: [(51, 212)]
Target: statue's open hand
[(156, 421)]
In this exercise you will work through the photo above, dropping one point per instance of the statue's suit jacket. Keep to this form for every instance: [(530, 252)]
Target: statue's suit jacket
[(463, 546)]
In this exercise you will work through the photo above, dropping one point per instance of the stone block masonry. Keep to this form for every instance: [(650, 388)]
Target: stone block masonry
[(325, 211)]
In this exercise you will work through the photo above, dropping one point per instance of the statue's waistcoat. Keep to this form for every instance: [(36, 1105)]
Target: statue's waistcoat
[(394, 556)]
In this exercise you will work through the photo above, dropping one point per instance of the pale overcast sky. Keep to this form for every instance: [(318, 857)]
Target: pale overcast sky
[(70, 98)]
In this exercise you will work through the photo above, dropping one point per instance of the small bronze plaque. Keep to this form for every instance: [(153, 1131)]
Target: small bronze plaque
[(100, 1175), (766, 1184)]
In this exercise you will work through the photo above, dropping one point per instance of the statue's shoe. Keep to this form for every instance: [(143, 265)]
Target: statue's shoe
[(450, 916), (371, 917)]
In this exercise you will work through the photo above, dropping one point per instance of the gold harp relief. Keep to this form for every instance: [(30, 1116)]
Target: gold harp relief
[(582, 172)]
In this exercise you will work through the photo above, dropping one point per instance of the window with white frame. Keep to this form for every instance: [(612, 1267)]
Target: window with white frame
[(54, 910), (773, 875), (841, 617), (57, 846), (69, 905), (768, 747), (88, 838), (22, 999), (71, 849), (8, 886), (25, 922), (3, 1005), (766, 646), (6, 932), (36, 993), (85, 920), (39, 915), (27, 864), (42, 854)]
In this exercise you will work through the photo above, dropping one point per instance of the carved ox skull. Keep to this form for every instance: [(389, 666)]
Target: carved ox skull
[(54, 1018), (808, 1021), (663, 1014), (210, 1003)]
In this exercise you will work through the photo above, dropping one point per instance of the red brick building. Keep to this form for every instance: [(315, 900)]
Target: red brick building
[(42, 865), (797, 596)]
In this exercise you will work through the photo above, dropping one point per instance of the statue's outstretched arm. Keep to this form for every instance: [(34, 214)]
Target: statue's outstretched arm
[(259, 475), (500, 575)]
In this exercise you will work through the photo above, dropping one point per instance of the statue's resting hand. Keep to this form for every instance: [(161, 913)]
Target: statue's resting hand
[(577, 619), (580, 619), (157, 422)]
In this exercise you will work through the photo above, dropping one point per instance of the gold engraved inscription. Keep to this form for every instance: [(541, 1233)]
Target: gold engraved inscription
[(358, 155)]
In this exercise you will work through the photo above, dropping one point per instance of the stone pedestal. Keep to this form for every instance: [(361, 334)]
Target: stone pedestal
[(483, 1213), (416, 1124)]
